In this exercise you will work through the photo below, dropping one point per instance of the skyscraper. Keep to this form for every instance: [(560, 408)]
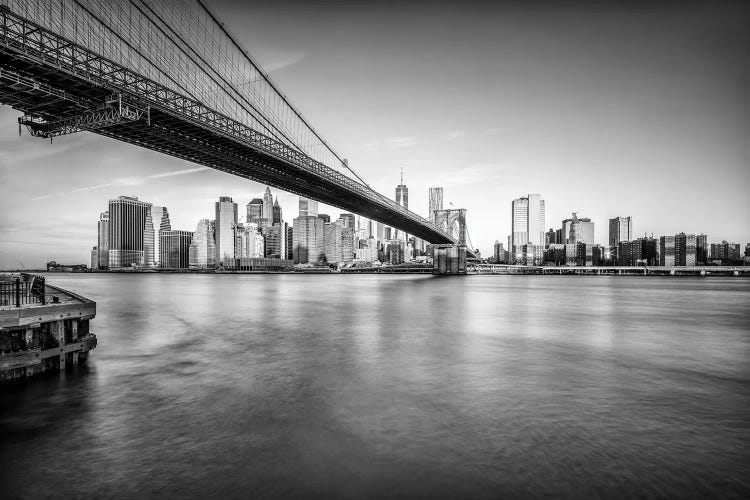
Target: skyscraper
[(701, 249), (620, 229), (255, 211), (402, 198), (202, 252), (102, 242), (436, 202), (527, 223), (267, 207), (667, 251), (578, 230), (127, 225), (149, 242), (160, 221), (307, 207), (226, 219), (307, 239), (332, 241), (175, 249), (277, 216)]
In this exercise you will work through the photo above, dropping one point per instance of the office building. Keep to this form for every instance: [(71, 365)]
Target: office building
[(394, 251), (275, 237), (639, 252), (685, 249), (620, 229), (308, 207), (202, 252), (174, 246), (499, 254), (290, 243), (436, 202), (149, 241), (160, 222), (527, 223), (367, 251), (402, 199), (348, 245), (307, 239), (127, 232), (254, 211), (332, 242), (326, 218), (102, 243), (225, 224)]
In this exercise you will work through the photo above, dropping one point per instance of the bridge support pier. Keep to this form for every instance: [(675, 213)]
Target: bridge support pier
[(449, 260)]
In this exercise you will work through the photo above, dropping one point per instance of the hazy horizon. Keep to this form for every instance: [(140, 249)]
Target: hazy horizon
[(606, 111)]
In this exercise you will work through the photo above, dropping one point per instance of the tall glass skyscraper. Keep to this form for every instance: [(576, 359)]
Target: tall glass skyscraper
[(127, 232), (267, 207), (620, 229), (102, 242), (175, 249), (527, 223), (402, 198), (255, 211), (226, 220)]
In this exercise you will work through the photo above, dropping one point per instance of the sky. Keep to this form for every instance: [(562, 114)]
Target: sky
[(629, 109)]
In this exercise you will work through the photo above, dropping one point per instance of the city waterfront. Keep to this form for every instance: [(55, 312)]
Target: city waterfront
[(382, 385)]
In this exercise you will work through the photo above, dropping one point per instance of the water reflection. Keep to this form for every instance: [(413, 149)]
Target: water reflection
[(379, 385)]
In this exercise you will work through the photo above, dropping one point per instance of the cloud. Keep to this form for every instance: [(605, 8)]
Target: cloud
[(474, 174), (454, 134), (125, 181), (400, 142), (284, 62)]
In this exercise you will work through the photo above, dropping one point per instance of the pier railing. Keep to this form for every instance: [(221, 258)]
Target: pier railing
[(21, 290)]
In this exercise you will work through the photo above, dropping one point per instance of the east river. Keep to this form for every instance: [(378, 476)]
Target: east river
[(248, 386)]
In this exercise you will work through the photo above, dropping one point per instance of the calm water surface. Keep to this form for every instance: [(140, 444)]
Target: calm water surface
[(413, 386)]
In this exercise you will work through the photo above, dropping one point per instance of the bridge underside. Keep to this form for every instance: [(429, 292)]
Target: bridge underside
[(43, 86)]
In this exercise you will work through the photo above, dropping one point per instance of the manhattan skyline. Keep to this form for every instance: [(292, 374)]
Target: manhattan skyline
[(606, 112)]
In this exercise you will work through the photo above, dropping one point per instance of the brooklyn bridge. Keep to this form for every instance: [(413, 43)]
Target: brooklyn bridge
[(170, 77)]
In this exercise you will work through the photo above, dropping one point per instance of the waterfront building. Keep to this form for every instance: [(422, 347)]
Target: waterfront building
[(685, 249), (367, 251), (102, 243), (332, 242), (639, 252), (160, 221), (290, 243), (701, 249), (127, 230), (436, 202), (307, 239), (307, 207), (667, 251), (620, 229), (225, 223), (174, 246), (250, 241), (258, 264), (202, 251), (499, 253), (530, 255), (267, 207), (580, 230), (747, 249), (726, 253), (149, 241), (275, 237), (94, 259), (527, 223), (395, 250), (254, 210), (347, 244)]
